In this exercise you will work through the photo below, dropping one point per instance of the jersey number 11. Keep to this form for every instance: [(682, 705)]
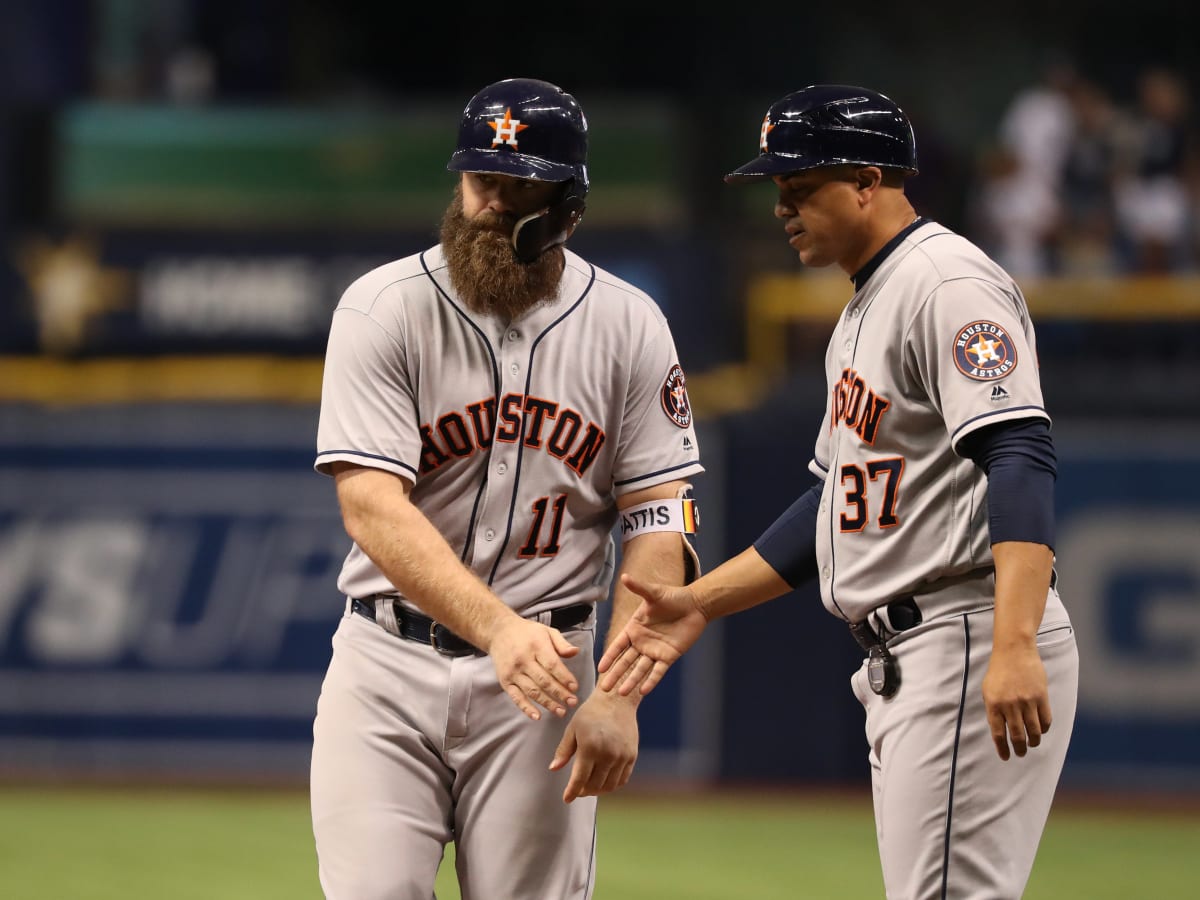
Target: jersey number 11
[(550, 548)]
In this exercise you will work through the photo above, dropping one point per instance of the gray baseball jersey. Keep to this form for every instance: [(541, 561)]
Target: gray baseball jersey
[(934, 345), (518, 437)]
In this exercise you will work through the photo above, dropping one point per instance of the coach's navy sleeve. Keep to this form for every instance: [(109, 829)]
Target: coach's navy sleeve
[(1021, 467), (789, 545)]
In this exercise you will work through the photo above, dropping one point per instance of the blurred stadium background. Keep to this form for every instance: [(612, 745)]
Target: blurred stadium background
[(186, 188)]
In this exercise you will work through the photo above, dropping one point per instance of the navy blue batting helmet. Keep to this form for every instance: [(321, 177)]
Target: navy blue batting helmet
[(532, 129), (525, 128), (830, 125)]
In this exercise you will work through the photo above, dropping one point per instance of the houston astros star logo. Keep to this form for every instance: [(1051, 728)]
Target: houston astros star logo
[(984, 351), (506, 129), (767, 128)]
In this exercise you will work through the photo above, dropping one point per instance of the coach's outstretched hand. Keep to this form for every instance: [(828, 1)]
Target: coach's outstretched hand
[(526, 655), (660, 631)]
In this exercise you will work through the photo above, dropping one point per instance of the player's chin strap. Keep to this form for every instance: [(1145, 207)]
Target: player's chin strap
[(538, 232), (681, 514)]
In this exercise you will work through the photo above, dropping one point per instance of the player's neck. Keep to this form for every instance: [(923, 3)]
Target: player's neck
[(885, 222)]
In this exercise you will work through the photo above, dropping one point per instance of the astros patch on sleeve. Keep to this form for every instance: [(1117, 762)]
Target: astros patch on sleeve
[(984, 351)]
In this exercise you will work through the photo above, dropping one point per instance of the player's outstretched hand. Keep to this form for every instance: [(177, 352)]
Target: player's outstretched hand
[(660, 631), (1017, 699), (603, 738), (529, 663)]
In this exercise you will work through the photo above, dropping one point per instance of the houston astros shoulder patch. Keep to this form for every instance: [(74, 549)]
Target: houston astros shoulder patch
[(675, 399), (984, 351)]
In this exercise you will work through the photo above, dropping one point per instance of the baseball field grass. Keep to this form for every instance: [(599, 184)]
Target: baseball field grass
[(186, 844)]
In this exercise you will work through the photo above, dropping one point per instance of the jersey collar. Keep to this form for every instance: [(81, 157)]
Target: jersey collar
[(860, 277)]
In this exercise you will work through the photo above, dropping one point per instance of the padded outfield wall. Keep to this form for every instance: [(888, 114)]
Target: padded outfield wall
[(167, 598)]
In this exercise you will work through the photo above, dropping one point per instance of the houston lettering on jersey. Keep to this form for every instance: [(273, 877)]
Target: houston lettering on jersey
[(856, 406), (558, 429)]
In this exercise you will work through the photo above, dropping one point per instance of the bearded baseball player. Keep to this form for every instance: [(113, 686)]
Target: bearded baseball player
[(931, 526), (491, 407)]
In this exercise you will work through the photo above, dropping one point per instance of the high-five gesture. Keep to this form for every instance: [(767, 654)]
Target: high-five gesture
[(671, 619), (527, 659), (663, 627)]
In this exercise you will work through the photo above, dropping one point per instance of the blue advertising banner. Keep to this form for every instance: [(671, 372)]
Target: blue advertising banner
[(1128, 560), (168, 595), (1129, 572), (155, 291), (167, 590)]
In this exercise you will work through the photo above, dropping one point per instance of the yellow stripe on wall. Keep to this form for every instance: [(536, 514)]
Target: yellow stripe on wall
[(805, 298), (773, 302), (49, 381)]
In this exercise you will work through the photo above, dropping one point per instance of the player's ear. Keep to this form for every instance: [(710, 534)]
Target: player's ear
[(868, 177)]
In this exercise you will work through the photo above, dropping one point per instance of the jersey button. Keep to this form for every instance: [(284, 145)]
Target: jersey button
[(514, 335), (489, 535), (824, 571), (502, 468), (514, 368), (847, 346)]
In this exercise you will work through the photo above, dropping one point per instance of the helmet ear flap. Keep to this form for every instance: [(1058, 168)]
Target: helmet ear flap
[(538, 232)]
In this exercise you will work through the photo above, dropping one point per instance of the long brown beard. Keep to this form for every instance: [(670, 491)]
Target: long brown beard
[(484, 269)]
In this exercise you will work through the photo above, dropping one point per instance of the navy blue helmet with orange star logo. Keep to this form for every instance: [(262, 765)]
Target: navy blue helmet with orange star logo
[(829, 125), (528, 128)]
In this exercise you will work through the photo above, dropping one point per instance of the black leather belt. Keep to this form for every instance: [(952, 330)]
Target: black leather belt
[(900, 615), (424, 630)]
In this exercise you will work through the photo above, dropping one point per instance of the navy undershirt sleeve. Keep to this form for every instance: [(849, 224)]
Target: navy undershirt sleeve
[(789, 545), (1021, 466)]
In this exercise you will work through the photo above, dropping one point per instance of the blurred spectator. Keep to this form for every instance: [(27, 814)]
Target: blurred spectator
[(190, 77), (1153, 206), (1087, 240), (190, 51), (1017, 210)]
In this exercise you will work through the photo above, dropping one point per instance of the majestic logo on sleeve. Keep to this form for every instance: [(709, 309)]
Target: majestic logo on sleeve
[(984, 351), (675, 399), (506, 130)]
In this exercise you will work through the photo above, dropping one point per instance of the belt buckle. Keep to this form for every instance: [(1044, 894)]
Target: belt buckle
[(879, 625), (433, 639), (434, 629)]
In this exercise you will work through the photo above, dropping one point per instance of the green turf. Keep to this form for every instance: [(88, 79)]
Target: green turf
[(62, 844)]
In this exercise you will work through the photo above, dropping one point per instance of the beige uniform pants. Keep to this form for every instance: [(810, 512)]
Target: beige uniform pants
[(412, 749), (953, 820)]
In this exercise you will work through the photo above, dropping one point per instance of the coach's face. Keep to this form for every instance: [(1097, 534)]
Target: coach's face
[(824, 214)]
